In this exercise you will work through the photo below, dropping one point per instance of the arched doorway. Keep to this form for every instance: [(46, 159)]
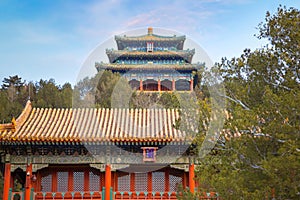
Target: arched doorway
[(182, 85), (134, 84), (166, 85), (150, 85)]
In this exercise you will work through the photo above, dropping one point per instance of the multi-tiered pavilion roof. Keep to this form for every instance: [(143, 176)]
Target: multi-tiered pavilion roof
[(153, 62)]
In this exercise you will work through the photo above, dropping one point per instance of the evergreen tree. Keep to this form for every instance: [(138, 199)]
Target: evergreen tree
[(258, 154)]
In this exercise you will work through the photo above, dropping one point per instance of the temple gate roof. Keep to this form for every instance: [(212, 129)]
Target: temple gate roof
[(92, 125)]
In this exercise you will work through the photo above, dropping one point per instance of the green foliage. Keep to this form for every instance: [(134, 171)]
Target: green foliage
[(259, 149), (14, 81), (282, 30), (105, 84), (169, 100), (98, 91), (15, 93)]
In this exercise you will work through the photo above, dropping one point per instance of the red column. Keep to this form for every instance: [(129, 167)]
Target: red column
[(167, 180), (192, 177), (70, 181), (86, 180), (192, 85), (158, 85), (115, 181), (173, 85), (6, 180), (132, 182), (141, 85), (107, 181), (54, 181), (184, 180), (149, 181), (28, 181)]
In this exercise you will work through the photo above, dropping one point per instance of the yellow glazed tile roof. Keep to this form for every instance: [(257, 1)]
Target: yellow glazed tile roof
[(92, 125), (152, 37)]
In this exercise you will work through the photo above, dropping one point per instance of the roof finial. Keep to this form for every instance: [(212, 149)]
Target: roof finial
[(13, 123), (150, 31)]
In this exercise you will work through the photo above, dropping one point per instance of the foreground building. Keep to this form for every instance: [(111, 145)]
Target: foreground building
[(107, 153), (94, 154)]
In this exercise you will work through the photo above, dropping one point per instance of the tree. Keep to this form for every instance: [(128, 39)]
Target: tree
[(66, 94), (15, 81), (15, 93), (258, 153), (97, 90), (47, 94), (282, 30), (12, 98)]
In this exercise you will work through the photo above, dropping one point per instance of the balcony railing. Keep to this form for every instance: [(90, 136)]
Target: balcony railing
[(144, 195), (95, 195)]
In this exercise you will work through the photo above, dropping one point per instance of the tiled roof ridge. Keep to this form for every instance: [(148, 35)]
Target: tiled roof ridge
[(147, 37), (24, 115), (6, 126), (95, 124), (17, 123)]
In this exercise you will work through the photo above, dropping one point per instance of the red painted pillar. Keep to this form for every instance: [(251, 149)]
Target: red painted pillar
[(192, 85), (149, 181), (54, 181), (86, 180), (173, 85), (132, 182), (192, 177), (6, 180), (107, 181), (115, 184), (28, 181), (141, 85), (167, 180), (158, 85), (70, 181)]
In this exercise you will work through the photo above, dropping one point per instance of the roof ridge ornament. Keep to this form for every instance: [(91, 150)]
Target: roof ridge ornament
[(24, 115), (13, 123), (150, 31)]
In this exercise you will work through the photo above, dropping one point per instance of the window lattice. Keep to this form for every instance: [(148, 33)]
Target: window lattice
[(46, 183), (62, 181), (124, 183), (175, 181), (94, 181), (78, 181), (158, 181), (141, 182)]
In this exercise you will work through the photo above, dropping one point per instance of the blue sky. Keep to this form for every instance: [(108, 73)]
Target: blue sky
[(52, 39)]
